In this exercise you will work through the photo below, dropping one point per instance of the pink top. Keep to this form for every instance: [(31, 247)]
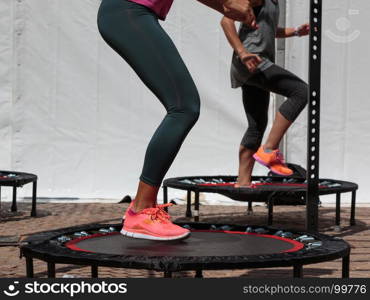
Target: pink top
[(160, 7)]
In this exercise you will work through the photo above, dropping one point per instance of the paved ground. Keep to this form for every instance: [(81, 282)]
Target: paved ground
[(54, 216)]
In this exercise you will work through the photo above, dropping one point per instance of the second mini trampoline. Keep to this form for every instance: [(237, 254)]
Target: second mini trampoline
[(271, 190)]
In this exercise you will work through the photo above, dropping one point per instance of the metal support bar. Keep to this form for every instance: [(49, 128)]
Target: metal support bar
[(29, 267), (14, 202), (250, 209), (297, 271), (313, 134), (165, 197), (34, 193), (94, 271), (198, 274), (196, 207), (345, 266), (337, 210), (353, 209), (51, 270), (188, 204)]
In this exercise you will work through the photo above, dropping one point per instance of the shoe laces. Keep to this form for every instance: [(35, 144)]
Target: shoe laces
[(158, 212), (280, 158)]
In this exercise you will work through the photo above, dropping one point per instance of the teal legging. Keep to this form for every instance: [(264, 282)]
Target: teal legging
[(134, 32)]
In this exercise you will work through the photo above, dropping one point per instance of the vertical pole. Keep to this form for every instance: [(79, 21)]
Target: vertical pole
[(51, 270), (29, 267), (198, 274), (353, 209), (94, 271), (188, 204), (297, 271), (313, 134), (337, 210), (165, 196), (345, 266), (196, 206), (14, 202), (34, 193)]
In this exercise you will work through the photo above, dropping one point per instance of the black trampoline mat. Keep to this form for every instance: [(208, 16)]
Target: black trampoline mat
[(200, 243)]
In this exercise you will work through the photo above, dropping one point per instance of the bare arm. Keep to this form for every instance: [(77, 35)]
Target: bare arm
[(239, 10), (289, 32), (285, 32), (231, 34), (250, 60)]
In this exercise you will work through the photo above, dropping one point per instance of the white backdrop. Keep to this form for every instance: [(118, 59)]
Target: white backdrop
[(74, 113)]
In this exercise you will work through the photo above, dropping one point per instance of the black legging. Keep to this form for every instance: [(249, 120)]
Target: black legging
[(134, 32), (256, 98)]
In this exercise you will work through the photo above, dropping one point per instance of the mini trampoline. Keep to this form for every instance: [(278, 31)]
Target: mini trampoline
[(16, 180), (272, 190), (209, 247)]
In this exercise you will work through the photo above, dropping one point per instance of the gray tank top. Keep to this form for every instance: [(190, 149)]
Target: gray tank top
[(260, 41)]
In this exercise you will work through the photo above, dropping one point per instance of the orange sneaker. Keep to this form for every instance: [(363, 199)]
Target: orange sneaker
[(152, 224), (273, 160)]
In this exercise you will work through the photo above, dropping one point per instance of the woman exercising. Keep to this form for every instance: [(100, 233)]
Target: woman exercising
[(253, 69), (132, 29)]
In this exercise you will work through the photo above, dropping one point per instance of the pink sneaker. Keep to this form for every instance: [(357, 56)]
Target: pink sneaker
[(152, 224)]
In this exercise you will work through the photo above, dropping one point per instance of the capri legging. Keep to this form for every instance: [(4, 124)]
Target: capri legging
[(256, 97), (134, 32)]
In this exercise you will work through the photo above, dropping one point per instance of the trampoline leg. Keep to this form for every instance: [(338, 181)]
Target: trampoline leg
[(270, 206), (337, 210), (51, 270), (94, 271), (188, 205), (29, 267), (165, 197), (14, 203), (297, 271), (198, 274), (250, 209), (345, 266), (196, 207), (353, 209), (167, 274), (34, 192)]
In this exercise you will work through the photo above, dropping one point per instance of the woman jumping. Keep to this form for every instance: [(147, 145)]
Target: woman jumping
[(132, 29), (253, 69)]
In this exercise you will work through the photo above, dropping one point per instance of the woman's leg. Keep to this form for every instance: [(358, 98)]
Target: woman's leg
[(256, 103), (283, 82), (134, 33)]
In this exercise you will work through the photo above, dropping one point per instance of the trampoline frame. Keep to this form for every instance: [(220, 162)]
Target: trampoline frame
[(40, 246), (271, 198), (19, 181)]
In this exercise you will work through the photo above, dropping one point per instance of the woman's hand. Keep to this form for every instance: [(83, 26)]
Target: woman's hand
[(250, 60), (240, 10), (303, 29)]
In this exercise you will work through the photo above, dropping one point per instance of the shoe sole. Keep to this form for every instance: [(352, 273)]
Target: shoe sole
[(269, 167), (152, 237)]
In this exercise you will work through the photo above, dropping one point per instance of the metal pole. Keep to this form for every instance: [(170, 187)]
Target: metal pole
[(313, 134)]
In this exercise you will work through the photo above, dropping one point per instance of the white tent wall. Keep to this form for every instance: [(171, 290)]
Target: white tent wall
[(6, 79), (80, 119), (345, 105)]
